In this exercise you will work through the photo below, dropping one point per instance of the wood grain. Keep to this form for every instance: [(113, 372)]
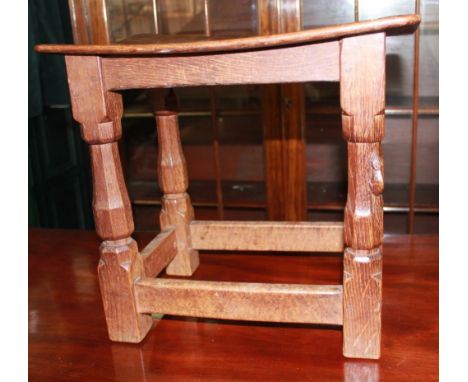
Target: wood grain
[(362, 303), (97, 110), (283, 125), (293, 122), (111, 205), (363, 217), (159, 252), (127, 294), (172, 169), (362, 81), (241, 301), (99, 25), (294, 152), (78, 21), (291, 64), (145, 46), (119, 265), (267, 17), (363, 102), (273, 152), (267, 236), (177, 211)]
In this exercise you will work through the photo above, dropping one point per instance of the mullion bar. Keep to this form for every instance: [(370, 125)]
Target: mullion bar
[(414, 129), (214, 126), (155, 17)]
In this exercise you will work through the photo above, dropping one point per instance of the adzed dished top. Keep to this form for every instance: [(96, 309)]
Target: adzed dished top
[(162, 45)]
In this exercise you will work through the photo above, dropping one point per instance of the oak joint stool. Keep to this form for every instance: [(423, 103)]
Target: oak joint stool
[(352, 54)]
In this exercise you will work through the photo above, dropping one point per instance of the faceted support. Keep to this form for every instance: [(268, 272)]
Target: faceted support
[(99, 113), (363, 103), (362, 302), (177, 210)]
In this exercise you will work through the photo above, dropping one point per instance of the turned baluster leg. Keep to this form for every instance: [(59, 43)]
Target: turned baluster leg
[(177, 210), (362, 103), (99, 113)]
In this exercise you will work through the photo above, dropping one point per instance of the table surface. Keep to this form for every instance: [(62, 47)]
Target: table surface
[(68, 339), (155, 44)]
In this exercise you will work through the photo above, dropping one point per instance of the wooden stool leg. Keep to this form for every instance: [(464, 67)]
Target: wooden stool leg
[(363, 104), (99, 114), (177, 210)]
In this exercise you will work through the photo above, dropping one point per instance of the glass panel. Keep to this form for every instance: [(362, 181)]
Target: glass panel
[(246, 98), (241, 147), (427, 158), (399, 66), (426, 223), (326, 149), (322, 95), (196, 136), (430, 14), (193, 99), (396, 222), (131, 17), (397, 155), (373, 9), (127, 18), (429, 54), (427, 162), (400, 49), (139, 159), (326, 12), (181, 16), (233, 18)]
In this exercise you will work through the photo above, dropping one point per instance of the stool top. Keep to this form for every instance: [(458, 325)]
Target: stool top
[(167, 45)]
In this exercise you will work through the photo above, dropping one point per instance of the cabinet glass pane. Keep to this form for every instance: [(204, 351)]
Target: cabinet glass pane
[(239, 110), (427, 162), (400, 50), (239, 122), (326, 12), (397, 155), (429, 54), (127, 18), (181, 16), (373, 9), (400, 62), (233, 18)]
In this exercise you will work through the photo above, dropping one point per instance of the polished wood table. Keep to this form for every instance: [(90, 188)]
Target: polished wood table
[(67, 328)]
